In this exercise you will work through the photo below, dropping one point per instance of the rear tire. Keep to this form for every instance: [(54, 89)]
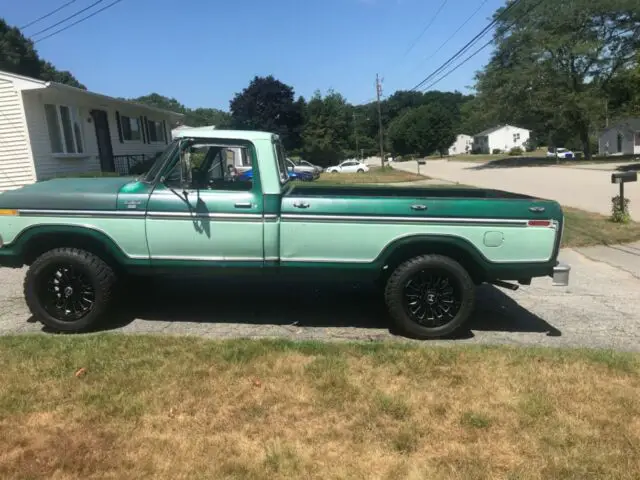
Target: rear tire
[(360, 171), (69, 290), (430, 296)]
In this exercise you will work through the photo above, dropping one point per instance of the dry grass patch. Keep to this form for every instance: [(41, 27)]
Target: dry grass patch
[(158, 407), (375, 175), (585, 228)]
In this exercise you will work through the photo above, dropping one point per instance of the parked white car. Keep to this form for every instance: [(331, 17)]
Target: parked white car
[(350, 166), (561, 153)]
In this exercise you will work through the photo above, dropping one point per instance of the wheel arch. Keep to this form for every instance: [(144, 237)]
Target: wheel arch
[(459, 249), (38, 239)]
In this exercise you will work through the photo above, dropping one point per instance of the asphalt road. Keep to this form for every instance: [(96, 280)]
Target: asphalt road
[(601, 308)]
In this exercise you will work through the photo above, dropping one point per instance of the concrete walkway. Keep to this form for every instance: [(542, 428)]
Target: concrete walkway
[(587, 189)]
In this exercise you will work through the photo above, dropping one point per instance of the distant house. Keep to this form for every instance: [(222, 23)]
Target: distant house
[(49, 129), (463, 144), (503, 138), (621, 139)]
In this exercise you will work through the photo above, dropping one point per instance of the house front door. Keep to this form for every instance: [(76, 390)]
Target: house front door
[(105, 150)]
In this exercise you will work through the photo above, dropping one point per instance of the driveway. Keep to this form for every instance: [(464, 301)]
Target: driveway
[(601, 308), (587, 189)]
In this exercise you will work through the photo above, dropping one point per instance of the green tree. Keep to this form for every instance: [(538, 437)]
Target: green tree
[(423, 130), (198, 117), (268, 104), (18, 55), (327, 130), (554, 62)]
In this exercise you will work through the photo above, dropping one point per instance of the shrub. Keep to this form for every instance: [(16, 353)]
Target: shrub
[(476, 151), (515, 151), (619, 215), (496, 151)]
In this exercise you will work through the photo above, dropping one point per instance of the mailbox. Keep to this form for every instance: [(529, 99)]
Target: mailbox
[(422, 162), (624, 177)]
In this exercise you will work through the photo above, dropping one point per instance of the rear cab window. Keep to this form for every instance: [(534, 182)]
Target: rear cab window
[(281, 160)]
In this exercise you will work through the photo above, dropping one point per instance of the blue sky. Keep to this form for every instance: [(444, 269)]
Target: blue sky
[(203, 52)]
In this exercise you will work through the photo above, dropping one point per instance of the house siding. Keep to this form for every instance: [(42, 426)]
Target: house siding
[(16, 167), (608, 142), (48, 165), (460, 145)]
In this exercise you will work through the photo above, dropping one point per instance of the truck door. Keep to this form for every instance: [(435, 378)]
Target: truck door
[(217, 221)]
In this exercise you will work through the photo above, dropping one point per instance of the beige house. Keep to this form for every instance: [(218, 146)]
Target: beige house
[(621, 139), (49, 129)]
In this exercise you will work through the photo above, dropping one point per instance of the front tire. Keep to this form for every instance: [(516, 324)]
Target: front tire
[(430, 296), (69, 290), (360, 171)]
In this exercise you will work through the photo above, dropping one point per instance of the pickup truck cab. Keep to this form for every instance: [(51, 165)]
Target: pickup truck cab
[(192, 214)]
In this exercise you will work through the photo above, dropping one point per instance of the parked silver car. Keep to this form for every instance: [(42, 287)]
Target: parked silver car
[(304, 166)]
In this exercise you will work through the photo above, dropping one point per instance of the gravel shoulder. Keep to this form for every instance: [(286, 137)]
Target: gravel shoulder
[(601, 309)]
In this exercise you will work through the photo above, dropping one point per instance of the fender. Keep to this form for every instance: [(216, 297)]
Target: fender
[(23, 241), (440, 241)]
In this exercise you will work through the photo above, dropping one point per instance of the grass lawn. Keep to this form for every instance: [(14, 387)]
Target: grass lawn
[(375, 175), (166, 407), (585, 228)]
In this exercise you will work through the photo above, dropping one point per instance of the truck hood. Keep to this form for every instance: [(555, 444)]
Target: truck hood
[(67, 194)]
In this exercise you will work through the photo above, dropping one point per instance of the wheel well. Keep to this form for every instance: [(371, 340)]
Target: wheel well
[(455, 252), (41, 243)]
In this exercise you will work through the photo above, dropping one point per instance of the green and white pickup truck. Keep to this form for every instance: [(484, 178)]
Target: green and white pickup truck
[(193, 213)]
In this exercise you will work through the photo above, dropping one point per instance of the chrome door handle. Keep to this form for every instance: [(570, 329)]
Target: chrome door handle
[(419, 208), (301, 205), (244, 205)]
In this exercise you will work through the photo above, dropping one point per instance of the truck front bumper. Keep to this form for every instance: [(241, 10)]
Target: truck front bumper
[(561, 275)]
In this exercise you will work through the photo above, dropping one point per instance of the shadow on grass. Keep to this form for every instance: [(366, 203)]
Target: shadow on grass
[(635, 167), (515, 162), (300, 306)]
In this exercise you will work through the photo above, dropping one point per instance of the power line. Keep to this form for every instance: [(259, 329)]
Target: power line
[(433, 19), (47, 15), (78, 21), (454, 33), (68, 18), (479, 49), (471, 42)]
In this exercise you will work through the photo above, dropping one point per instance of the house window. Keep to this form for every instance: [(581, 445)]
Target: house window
[(156, 131), (65, 129), (131, 129), (637, 139), (516, 137)]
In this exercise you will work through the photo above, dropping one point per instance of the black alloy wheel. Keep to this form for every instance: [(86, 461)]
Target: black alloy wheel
[(430, 296), (66, 292)]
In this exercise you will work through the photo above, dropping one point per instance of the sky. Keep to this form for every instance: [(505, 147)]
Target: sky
[(204, 52)]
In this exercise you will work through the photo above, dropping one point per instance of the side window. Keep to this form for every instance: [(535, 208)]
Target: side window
[(216, 168)]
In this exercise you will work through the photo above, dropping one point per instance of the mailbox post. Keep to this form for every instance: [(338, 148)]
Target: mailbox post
[(421, 162), (620, 179)]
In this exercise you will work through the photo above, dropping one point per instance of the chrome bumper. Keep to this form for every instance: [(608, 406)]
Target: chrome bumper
[(561, 275)]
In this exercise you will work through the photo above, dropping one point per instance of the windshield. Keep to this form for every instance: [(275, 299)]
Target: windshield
[(153, 172)]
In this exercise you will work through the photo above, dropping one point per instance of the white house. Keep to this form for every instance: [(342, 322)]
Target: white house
[(49, 129), (621, 139), (463, 144), (502, 137)]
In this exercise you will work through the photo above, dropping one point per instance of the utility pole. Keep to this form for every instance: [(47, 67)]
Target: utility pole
[(355, 131), (379, 94)]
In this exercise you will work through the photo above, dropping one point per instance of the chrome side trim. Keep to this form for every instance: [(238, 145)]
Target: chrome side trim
[(381, 219), (190, 216), (81, 213), (271, 259), (207, 258)]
